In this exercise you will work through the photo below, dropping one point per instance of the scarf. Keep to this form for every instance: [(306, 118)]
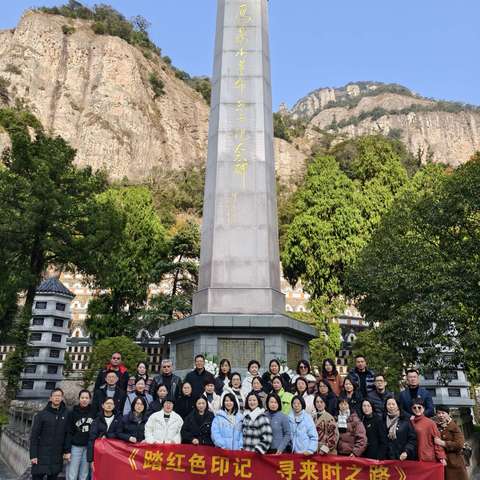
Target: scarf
[(443, 425), (392, 422), (342, 419)]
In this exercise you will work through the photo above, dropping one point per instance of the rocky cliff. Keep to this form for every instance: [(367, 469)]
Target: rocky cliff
[(94, 90), (446, 132)]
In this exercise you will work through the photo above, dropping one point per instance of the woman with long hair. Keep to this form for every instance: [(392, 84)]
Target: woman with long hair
[(376, 432), (331, 375), (256, 428), (351, 393), (326, 428), (257, 388), (280, 424), (330, 399), (224, 375), (197, 427), (401, 436), (141, 372), (132, 426), (227, 424), (285, 397), (302, 428), (301, 389)]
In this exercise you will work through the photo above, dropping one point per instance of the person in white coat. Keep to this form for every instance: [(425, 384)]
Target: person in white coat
[(253, 369), (164, 426), (214, 401)]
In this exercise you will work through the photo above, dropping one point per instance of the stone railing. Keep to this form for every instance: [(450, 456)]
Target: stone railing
[(20, 421)]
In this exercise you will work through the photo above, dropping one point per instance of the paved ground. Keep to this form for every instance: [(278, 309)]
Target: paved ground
[(6, 474)]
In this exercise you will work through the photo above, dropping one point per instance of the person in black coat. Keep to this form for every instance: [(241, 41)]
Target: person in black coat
[(353, 395), (161, 395), (224, 376), (48, 438), (186, 402), (376, 433), (401, 436), (115, 365), (274, 371), (329, 398), (197, 377), (105, 425), (80, 420), (197, 427), (109, 390), (132, 426)]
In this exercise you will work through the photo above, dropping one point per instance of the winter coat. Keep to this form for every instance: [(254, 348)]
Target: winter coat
[(199, 427), (122, 374), (100, 429), (286, 398), (127, 408), (354, 440), (331, 403), (100, 395), (132, 426), (79, 422), (267, 381), (407, 396), (133, 380), (336, 383), (220, 383), (257, 431), (378, 401), (354, 402), (247, 384), (309, 407), (48, 439), (227, 431), (356, 377), (157, 430), (327, 433), (216, 404), (155, 407), (197, 380), (303, 431), (426, 430), (406, 440), (454, 439), (281, 436), (175, 386), (376, 438), (184, 406)]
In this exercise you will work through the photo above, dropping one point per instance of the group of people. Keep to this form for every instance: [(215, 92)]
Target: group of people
[(313, 412)]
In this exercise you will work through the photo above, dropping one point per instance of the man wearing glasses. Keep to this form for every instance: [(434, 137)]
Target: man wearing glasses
[(118, 367), (169, 379), (379, 395)]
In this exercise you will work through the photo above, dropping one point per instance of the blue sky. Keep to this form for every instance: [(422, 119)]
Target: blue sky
[(430, 46)]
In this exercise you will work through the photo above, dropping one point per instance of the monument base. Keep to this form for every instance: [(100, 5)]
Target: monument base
[(238, 337)]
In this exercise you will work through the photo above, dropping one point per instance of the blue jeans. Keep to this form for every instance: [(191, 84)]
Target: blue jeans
[(78, 468)]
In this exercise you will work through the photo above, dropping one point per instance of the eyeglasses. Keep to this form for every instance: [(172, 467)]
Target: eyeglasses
[(116, 358), (417, 407), (303, 366)]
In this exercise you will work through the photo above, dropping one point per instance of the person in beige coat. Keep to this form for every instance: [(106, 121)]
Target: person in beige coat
[(164, 426)]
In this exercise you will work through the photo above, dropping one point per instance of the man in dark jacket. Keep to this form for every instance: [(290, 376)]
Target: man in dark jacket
[(116, 366), (109, 390), (379, 395), (362, 376), (47, 438), (169, 379), (196, 378), (414, 391)]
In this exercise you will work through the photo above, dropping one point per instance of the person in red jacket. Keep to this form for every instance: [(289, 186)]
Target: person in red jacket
[(427, 431)]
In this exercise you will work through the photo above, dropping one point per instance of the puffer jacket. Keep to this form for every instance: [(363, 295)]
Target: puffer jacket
[(286, 398), (198, 427), (304, 433), (227, 431), (354, 440), (132, 426), (157, 430)]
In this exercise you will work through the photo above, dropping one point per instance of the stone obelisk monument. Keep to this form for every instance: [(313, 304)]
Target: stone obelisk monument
[(238, 310)]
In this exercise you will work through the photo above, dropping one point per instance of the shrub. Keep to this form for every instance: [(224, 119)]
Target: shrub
[(11, 68), (157, 84), (67, 29)]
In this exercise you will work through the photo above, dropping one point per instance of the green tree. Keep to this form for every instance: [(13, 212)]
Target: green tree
[(418, 278), (103, 350), (125, 273)]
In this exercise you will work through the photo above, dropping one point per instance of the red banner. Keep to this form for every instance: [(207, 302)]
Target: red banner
[(125, 461)]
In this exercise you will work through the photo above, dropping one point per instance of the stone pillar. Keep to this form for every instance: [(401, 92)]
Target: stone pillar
[(239, 263)]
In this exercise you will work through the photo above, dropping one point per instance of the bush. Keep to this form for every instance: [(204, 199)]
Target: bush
[(103, 350), (11, 68), (157, 84), (67, 29)]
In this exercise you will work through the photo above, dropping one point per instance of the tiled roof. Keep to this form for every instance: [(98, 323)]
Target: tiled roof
[(55, 286)]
